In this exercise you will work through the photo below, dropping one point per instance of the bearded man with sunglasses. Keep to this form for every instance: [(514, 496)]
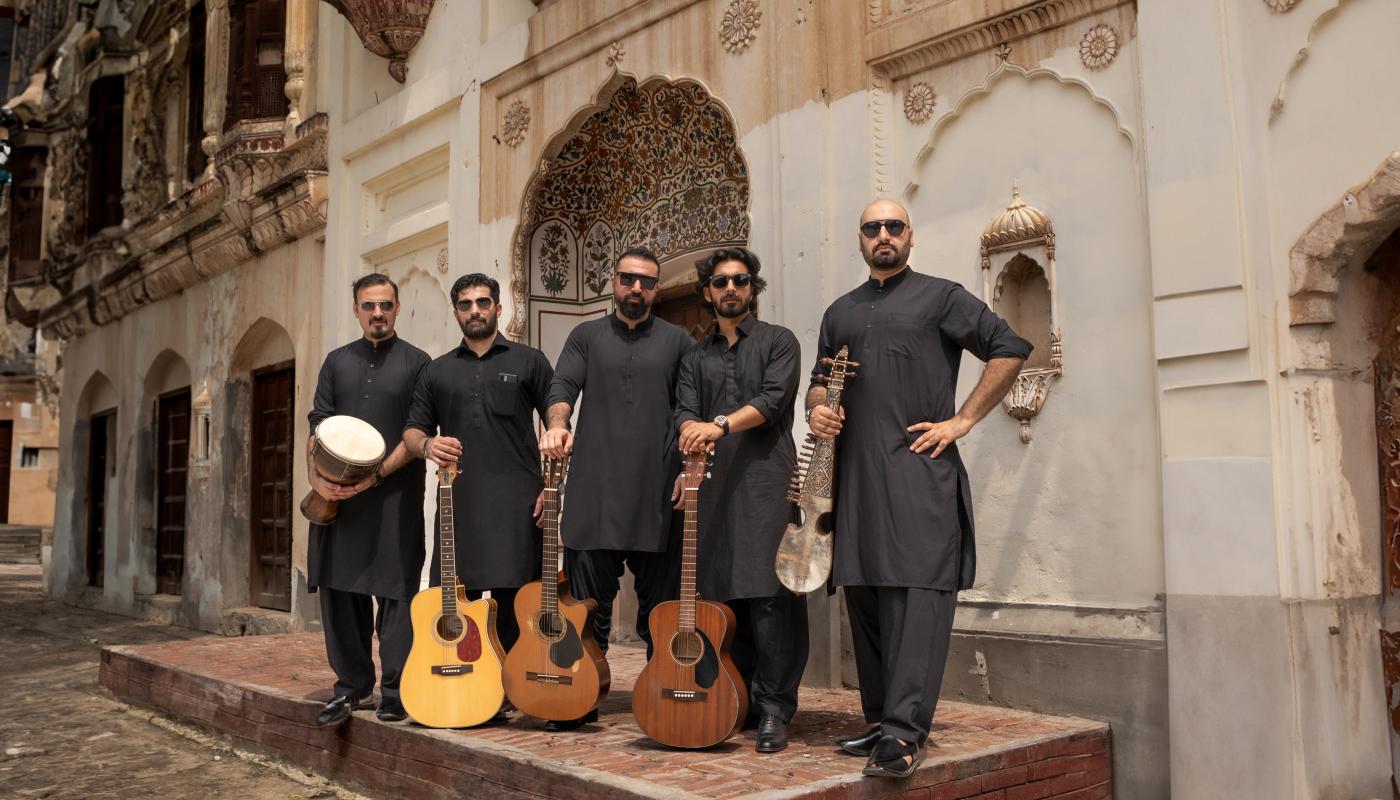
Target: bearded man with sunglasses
[(617, 512), (736, 394), (476, 407), (373, 551), (904, 539)]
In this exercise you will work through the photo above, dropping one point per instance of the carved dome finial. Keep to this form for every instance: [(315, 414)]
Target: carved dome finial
[(1018, 223)]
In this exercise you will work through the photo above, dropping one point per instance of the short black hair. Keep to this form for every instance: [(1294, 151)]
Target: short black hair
[(372, 279), (476, 279), (638, 251), (705, 269)]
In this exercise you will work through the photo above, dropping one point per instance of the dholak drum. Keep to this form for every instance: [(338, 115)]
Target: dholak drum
[(345, 451)]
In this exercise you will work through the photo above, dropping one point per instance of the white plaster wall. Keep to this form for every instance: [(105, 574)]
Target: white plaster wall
[(1074, 517)]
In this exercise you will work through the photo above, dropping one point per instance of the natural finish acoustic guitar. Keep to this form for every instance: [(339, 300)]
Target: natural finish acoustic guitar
[(452, 678), (555, 670), (690, 694), (803, 562)]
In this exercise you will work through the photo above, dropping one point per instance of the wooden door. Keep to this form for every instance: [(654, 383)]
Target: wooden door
[(101, 427), (271, 486), (681, 306), (172, 465), (7, 440)]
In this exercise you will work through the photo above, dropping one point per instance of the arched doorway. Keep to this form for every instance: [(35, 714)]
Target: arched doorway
[(1385, 264), (655, 163)]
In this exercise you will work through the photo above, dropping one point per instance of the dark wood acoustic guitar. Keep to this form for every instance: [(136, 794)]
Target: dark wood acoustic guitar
[(690, 694), (555, 670)]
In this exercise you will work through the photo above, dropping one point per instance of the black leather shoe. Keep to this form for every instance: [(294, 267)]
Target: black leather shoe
[(559, 725), (861, 744), (390, 710), (887, 759), (772, 734), (338, 710)]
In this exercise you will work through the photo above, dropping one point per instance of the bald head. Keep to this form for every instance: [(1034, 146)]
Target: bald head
[(885, 250)]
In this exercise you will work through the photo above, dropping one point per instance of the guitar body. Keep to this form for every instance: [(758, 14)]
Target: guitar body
[(452, 678), (683, 701), (803, 562), (555, 670)]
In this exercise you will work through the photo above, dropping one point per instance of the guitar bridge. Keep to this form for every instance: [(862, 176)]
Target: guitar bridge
[(553, 680), (450, 670), (685, 695)]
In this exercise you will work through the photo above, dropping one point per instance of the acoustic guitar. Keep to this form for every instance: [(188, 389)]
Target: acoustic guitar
[(555, 670), (452, 678), (803, 562), (690, 694)]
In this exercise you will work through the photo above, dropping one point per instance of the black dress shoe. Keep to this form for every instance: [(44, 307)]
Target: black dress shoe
[(558, 725), (772, 734), (338, 710), (390, 710), (887, 759), (862, 744)]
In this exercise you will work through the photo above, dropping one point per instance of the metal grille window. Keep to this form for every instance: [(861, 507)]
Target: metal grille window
[(257, 75)]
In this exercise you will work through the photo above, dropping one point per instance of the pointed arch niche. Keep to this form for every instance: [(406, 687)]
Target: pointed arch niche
[(655, 163), (1018, 274)]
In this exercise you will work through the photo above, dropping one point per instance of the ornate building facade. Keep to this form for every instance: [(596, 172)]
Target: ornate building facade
[(1187, 515)]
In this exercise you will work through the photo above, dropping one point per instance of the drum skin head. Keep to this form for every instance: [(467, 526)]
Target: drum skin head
[(351, 439)]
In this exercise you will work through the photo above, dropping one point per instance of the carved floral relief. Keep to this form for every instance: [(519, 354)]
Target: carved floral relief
[(739, 27), (1099, 47), (919, 101), (517, 122)]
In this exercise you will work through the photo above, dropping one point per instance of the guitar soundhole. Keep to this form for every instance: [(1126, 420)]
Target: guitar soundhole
[(687, 648), (449, 629), (824, 522), (551, 625)]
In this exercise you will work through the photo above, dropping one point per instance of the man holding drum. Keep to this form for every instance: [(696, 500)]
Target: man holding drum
[(373, 550)]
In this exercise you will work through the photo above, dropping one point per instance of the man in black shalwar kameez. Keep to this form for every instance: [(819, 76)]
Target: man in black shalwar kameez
[(903, 506), (736, 394), (373, 552), (617, 508), (476, 406)]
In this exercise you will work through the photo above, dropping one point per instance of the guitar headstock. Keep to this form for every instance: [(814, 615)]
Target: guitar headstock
[(697, 469), (447, 474), (554, 471), (841, 369)]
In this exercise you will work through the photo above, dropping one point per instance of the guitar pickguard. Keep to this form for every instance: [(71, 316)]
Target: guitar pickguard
[(707, 668), (469, 648), (566, 652)]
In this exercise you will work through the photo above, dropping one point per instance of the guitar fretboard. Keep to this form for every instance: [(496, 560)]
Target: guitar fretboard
[(695, 469), (447, 548)]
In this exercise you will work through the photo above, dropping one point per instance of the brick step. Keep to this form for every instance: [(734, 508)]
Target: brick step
[(9, 559)]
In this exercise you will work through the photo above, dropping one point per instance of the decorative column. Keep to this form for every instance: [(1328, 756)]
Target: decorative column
[(299, 50), (216, 34)]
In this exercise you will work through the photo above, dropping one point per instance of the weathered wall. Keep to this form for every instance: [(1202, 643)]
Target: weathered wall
[(31, 487)]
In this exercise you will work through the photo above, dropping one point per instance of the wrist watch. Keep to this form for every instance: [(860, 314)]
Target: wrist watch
[(723, 422), (807, 415), (378, 477)]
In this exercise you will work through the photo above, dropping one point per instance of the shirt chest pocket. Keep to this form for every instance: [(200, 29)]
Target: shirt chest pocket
[(906, 335), (504, 397)]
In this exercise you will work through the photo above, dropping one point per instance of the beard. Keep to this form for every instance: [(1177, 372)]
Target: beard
[(476, 328), (730, 307), (632, 310), (888, 259), (379, 329)]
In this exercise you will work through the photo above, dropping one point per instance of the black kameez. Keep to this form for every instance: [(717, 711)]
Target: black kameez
[(375, 546), (489, 403), (902, 518), (742, 508), (624, 458)]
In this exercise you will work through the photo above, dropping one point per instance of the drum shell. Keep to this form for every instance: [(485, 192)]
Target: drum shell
[(338, 470)]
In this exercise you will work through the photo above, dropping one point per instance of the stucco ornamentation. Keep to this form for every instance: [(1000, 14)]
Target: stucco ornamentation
[(1280, 6), (1099, 47), (388, 28), (919, 100), (1003, 52), (516, 123), (616, 52), (739, 27), (442, 261)]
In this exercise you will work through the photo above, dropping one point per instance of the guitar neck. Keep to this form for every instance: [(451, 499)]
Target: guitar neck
[(447, 550), (549, 559), (687, 598)]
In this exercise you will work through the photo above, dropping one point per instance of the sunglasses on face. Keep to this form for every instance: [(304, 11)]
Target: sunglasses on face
[(647, 282), (740, 281), (871, 229), (369, 306), (464, 305)]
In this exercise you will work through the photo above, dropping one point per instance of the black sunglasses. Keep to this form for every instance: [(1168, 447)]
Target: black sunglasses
[(482, 303), (648, 282), (871, 229), (368, 306), (721, 281)]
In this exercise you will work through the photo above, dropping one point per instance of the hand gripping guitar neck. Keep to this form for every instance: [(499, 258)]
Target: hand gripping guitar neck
[(804, 554)]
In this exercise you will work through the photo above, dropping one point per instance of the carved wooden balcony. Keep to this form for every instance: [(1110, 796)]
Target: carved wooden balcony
[(388, 28)]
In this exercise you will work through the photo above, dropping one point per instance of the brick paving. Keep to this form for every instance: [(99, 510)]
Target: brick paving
[(265, 691)]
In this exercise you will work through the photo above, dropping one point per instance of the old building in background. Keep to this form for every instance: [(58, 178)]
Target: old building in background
[(1189, 513)]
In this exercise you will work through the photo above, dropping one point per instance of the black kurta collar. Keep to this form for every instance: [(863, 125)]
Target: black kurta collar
[(642, 326), (745, 329), (381, 346), (892, 281), (500, 343)]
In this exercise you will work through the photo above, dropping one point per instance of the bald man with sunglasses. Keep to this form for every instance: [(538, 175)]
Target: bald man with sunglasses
[(904, 541)]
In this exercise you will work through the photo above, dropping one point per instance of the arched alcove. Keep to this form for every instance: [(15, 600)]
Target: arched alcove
[(1022, 298), (162, 472), (95, 471), (264, 343), (655, 163)]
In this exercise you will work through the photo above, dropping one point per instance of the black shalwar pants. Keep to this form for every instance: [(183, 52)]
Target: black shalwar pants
[(770, 650), (350, 621)]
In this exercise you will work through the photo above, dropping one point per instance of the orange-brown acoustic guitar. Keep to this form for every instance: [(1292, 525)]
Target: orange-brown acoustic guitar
[(555, 670), (690, 694)]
